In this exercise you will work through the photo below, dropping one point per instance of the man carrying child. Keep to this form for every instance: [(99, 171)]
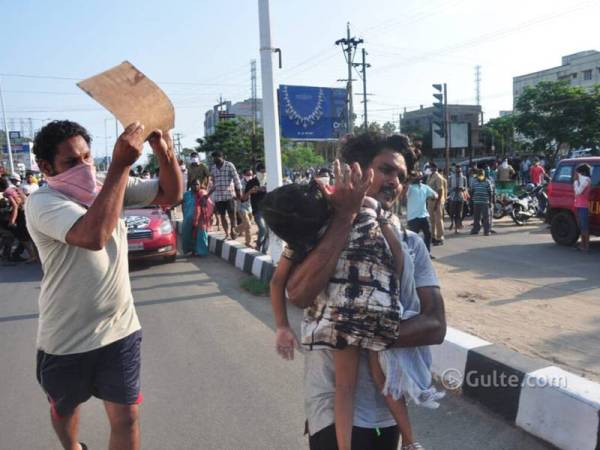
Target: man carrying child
[(390, 160)]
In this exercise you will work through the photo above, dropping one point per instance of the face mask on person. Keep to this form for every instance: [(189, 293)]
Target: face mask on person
[(262, 178), (78, 183), (195, 160), (324, 179), (481, 177)]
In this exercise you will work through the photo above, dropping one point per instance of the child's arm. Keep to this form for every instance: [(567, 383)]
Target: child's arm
[(285, 339)]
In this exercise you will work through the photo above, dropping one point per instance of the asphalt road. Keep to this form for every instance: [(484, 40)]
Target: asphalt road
[(211, 379)]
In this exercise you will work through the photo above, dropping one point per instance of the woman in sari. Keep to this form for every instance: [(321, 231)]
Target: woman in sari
[(197, 211)]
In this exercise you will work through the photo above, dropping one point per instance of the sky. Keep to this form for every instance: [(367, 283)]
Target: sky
[(198, 50)]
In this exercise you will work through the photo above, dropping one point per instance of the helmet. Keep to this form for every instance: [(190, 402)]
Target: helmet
[(530, 187)]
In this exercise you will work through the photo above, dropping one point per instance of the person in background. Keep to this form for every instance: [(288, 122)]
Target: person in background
[(537, 172), (417, 215), (184, 173), (197, 171), (582, 187), (256, 189), (481, 194), (505, 175), (524, 170), (197, 211), (245, 226), (30, 185), (435, 207), (225, 186), (324, 176), (145, 175)]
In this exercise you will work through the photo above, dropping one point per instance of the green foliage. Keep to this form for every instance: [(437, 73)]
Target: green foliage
[(234, 138), (500, 132), (388, 128), (255, 286), (554, 113), (301, 157)]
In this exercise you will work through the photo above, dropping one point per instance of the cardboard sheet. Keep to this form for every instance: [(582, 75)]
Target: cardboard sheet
[(129, 95)]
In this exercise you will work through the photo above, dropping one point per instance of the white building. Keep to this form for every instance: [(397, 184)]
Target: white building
[(579, 69), (227, 110)]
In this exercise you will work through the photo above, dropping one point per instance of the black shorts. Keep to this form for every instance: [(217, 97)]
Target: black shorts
[(109, 373), (362, 438), (226, 206)]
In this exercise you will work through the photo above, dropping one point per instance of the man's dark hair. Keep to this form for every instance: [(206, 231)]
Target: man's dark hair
[(193, 154), (323, 171), (584, 169), (217, 154), (50, 136), (247, 169), (364, 147), (296, 213), (433, 166), (260, 167)]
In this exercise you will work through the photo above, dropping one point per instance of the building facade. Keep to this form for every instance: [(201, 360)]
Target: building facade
[(422, 119), (579, 69), (228, 110)]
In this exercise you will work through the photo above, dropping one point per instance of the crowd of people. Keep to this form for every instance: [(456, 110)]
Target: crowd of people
[(16, 245)]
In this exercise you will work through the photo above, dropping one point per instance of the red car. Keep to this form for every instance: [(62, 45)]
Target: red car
[(150, 234), (561, 212)]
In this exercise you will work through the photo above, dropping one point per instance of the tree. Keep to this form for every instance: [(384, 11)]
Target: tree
[(388, 128), (500, 133), (234, 138), (553, 114), (301, 157)]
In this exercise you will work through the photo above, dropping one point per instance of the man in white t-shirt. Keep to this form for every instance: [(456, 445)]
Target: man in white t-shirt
[(89, 334)]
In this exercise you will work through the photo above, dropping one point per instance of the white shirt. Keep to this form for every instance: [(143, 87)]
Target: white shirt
[(85, 298)]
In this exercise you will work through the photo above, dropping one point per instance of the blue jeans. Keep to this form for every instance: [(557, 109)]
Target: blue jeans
[(262, 242)]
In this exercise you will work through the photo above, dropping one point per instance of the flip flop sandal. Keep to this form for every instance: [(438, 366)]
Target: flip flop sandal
[(413, 446)]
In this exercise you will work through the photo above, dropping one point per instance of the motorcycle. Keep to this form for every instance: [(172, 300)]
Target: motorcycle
[(526, 206), (503, 206)]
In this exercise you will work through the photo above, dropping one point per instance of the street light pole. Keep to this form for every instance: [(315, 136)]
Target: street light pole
[(270, 116), (10, 158)]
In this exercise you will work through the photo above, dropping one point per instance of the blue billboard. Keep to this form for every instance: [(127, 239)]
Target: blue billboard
[(312, 113)]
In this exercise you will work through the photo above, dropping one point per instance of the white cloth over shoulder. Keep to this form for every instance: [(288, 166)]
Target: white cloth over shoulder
[(408, 370)]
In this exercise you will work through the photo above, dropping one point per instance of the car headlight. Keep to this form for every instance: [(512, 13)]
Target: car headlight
[(166, 227)]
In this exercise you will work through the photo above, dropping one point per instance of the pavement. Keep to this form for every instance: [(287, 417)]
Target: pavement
[(210, 376), (520, 289)]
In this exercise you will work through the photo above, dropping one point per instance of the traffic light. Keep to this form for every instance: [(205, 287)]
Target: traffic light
[(438, 111)]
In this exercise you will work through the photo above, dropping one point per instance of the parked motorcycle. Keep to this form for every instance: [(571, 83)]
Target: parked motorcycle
[(503, 205), (527, 205)]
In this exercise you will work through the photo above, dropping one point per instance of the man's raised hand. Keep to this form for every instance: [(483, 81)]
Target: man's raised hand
[(161, 143), (351, 185), (129, 145)]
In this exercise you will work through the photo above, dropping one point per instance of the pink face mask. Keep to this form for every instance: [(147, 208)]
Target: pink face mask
[(78, 183)]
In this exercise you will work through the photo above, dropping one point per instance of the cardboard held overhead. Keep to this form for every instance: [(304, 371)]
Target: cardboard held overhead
[(131, 96)]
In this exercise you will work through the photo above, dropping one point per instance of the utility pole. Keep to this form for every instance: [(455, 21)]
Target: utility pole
[(349, 45), (253, 93), (478, 89), (177, 142), (363, 72), (270, 116), (7, 136), (447, 140)]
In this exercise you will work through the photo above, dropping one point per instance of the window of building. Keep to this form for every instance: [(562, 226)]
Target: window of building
[(574, 75), (453, 118), (587, 74)]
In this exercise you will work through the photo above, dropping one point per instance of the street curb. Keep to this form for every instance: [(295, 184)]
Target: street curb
[(544, 400)]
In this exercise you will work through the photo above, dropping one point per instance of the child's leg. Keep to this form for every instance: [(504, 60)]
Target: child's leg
[(397, 407), (346, 373)]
